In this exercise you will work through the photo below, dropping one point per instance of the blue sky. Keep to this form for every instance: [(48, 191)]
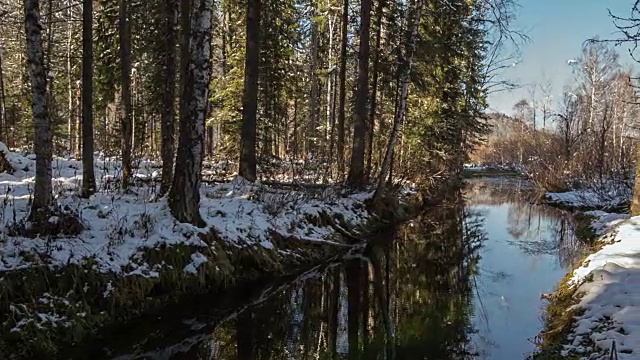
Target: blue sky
[(557, 29)]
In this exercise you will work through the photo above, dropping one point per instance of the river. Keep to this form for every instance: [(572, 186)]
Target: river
[(462, 281)]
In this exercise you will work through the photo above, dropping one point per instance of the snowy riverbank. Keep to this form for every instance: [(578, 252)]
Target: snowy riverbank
[(607, 196), (601, 296), (133, 256)]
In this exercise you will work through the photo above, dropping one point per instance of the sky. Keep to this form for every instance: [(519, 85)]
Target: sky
[(557, 30)]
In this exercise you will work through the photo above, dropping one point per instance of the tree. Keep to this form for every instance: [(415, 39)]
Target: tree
[(635, 203), (250, 99), (405, 72), (41, 207), (125, 82), (88, 175), (3, 119), (168, 94), (374, 85), (343, 87), (356, 169), (314, 110), (184, 196)]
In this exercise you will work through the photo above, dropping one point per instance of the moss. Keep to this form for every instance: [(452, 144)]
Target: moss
[(560, 315), (87, 299), (559, 320)]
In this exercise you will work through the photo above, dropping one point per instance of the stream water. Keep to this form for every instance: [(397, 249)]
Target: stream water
[(462, 281)]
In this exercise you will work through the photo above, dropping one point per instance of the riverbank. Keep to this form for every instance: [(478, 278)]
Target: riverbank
[(132, 256), (598, 303)]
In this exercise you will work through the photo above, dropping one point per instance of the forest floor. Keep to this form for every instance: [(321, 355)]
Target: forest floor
[(132, 255), (598, 303)]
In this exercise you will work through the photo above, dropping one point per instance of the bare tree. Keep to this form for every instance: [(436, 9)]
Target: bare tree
[(546, 102), (568, 123)]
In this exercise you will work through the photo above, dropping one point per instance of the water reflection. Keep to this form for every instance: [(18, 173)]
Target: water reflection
[(454, 283), (529, 248), (405, 299), (536, 229)]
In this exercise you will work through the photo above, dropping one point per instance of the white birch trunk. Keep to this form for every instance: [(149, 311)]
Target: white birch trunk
[(42, 195), (184, 197)]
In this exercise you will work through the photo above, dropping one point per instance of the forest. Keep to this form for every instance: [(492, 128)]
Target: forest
[(155, 149), (307, 91), (162, 161)]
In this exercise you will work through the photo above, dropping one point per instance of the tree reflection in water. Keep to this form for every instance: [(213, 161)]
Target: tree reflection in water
[(536, 229), (408, 296)]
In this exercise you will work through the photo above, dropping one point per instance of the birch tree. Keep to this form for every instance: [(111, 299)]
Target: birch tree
[(42, 204), (184, 196)]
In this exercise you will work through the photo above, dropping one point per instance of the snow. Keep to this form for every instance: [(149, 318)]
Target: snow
[(120, 226), (197, 259), (603, 196), (609, 285), (603, 222)]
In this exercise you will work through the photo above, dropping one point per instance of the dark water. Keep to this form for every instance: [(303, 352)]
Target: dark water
[(463, 281)]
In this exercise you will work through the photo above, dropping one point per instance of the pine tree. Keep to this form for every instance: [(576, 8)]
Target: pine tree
[(88, 176), (168, 94), (250, 99)]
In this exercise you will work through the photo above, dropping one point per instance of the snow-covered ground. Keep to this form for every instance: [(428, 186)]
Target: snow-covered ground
[(607, 196), (608, 286), (119, 226)]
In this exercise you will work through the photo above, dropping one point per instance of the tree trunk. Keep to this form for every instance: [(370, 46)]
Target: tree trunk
[(42, 194), (356, 169), (329, 120), (402, 105), (184, 196), (125, 78), (250, 98), (88, 176), (78, 121), (71, 123), (635, 204), (343, 89), (168, 95), (185, 25), (374, 86), (353, 278), (312, 124), (3, 111)]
